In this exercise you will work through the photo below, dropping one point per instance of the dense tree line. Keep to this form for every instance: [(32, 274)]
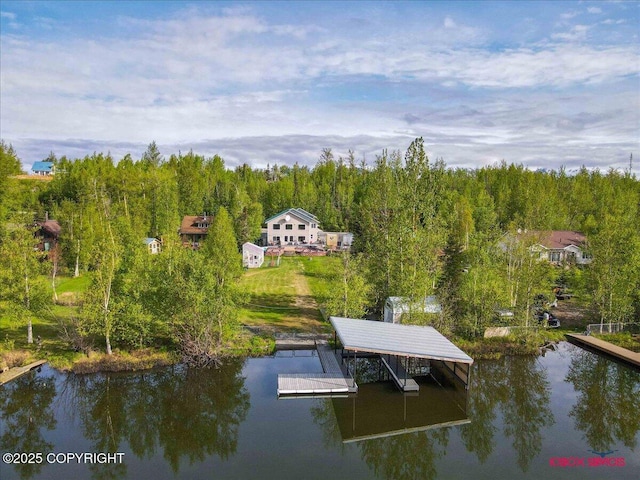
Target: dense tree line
[(420, 228)]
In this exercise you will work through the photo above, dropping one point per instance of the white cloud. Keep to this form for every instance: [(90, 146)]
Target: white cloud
[(576, 33), (594, 10), (9, 15), (251, 90)]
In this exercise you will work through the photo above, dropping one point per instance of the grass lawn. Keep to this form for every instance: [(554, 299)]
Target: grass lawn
[(287, 297), (72, 285), (46, 326)]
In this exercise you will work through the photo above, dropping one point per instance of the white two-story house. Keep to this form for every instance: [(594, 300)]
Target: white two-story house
[(293, 226)]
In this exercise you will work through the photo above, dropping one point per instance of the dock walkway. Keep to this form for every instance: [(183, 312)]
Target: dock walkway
[(603, 346), (16, 372), (334, 380)]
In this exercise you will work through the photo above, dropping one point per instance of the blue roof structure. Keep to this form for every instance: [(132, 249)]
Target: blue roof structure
[(46, 167)]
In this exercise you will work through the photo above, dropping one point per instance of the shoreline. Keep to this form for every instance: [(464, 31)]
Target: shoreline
[(253, 346)]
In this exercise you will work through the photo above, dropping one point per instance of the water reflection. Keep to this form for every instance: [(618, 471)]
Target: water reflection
[(608, 401), (519, 388), (186, 414), (180, 423), (25, 410)]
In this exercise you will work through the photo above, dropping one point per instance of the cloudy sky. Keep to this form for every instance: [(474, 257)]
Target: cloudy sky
[(545, 84)]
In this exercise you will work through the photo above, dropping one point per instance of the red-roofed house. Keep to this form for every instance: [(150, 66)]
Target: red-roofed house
[(556, 246), (194, 229), (562, 246), (48, 233)]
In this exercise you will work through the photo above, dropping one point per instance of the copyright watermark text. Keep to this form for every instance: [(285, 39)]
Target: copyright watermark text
[(15, 458)]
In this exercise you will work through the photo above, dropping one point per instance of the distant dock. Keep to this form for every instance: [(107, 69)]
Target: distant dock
[(16, 372), (623, 354)]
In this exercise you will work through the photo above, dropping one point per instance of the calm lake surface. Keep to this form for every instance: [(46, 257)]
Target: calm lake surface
[(521, 418)]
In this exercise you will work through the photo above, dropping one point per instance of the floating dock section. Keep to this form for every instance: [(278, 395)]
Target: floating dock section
[(334, 381), (16, 372), (598, 345)]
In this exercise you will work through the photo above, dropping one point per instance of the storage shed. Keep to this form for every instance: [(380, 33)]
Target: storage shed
[(395, 307), (252, 255)]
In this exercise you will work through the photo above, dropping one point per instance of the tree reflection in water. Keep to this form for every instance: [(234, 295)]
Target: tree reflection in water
[(520, 388), (515, 386), (486, 391), (410, 456), (25, 409), (608, 401), (189, 414)]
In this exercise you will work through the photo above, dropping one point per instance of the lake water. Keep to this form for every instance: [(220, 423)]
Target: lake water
[(551, 417)]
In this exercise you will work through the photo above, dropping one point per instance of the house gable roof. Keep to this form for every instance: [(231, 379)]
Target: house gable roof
[(298, 212), (251, 247), (51, 227), (560, 239), (190, 222), (42, 167)]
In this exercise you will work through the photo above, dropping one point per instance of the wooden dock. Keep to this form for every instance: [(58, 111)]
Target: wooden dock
[(16, 372), (599, 345), (334, 380), (399, 375), (312, 384)]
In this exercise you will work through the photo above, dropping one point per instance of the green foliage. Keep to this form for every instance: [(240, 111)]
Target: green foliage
[(350, 295), (21, 286), (419, 229)]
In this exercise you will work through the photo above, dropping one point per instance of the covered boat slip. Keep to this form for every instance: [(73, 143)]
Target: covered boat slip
[(404, 342)]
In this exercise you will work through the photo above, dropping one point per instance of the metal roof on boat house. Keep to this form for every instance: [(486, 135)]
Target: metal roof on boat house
[(396, 339)]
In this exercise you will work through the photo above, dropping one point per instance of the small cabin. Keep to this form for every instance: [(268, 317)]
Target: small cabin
[(154, 246)]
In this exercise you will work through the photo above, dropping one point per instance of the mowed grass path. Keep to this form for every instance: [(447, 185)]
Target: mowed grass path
[(286, 298)]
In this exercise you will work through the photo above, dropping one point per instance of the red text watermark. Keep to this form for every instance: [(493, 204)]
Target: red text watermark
[(571, 462)]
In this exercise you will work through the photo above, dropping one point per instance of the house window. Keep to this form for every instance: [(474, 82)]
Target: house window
[(554, 256), (586, 256), (302, 226), (302, 239), (276, 226), (288, 226), (276, 239), (313, 225)]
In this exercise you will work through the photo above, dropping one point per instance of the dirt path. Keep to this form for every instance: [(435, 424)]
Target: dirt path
[(309, 315)]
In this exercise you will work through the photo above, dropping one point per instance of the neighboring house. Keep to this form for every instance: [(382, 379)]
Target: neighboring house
[(153, 245), (395, 307), (42, 168), (563, 246), (252, 255), (48, 233), (194, 229), (555, 246), (336, 239), (293, 226)]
